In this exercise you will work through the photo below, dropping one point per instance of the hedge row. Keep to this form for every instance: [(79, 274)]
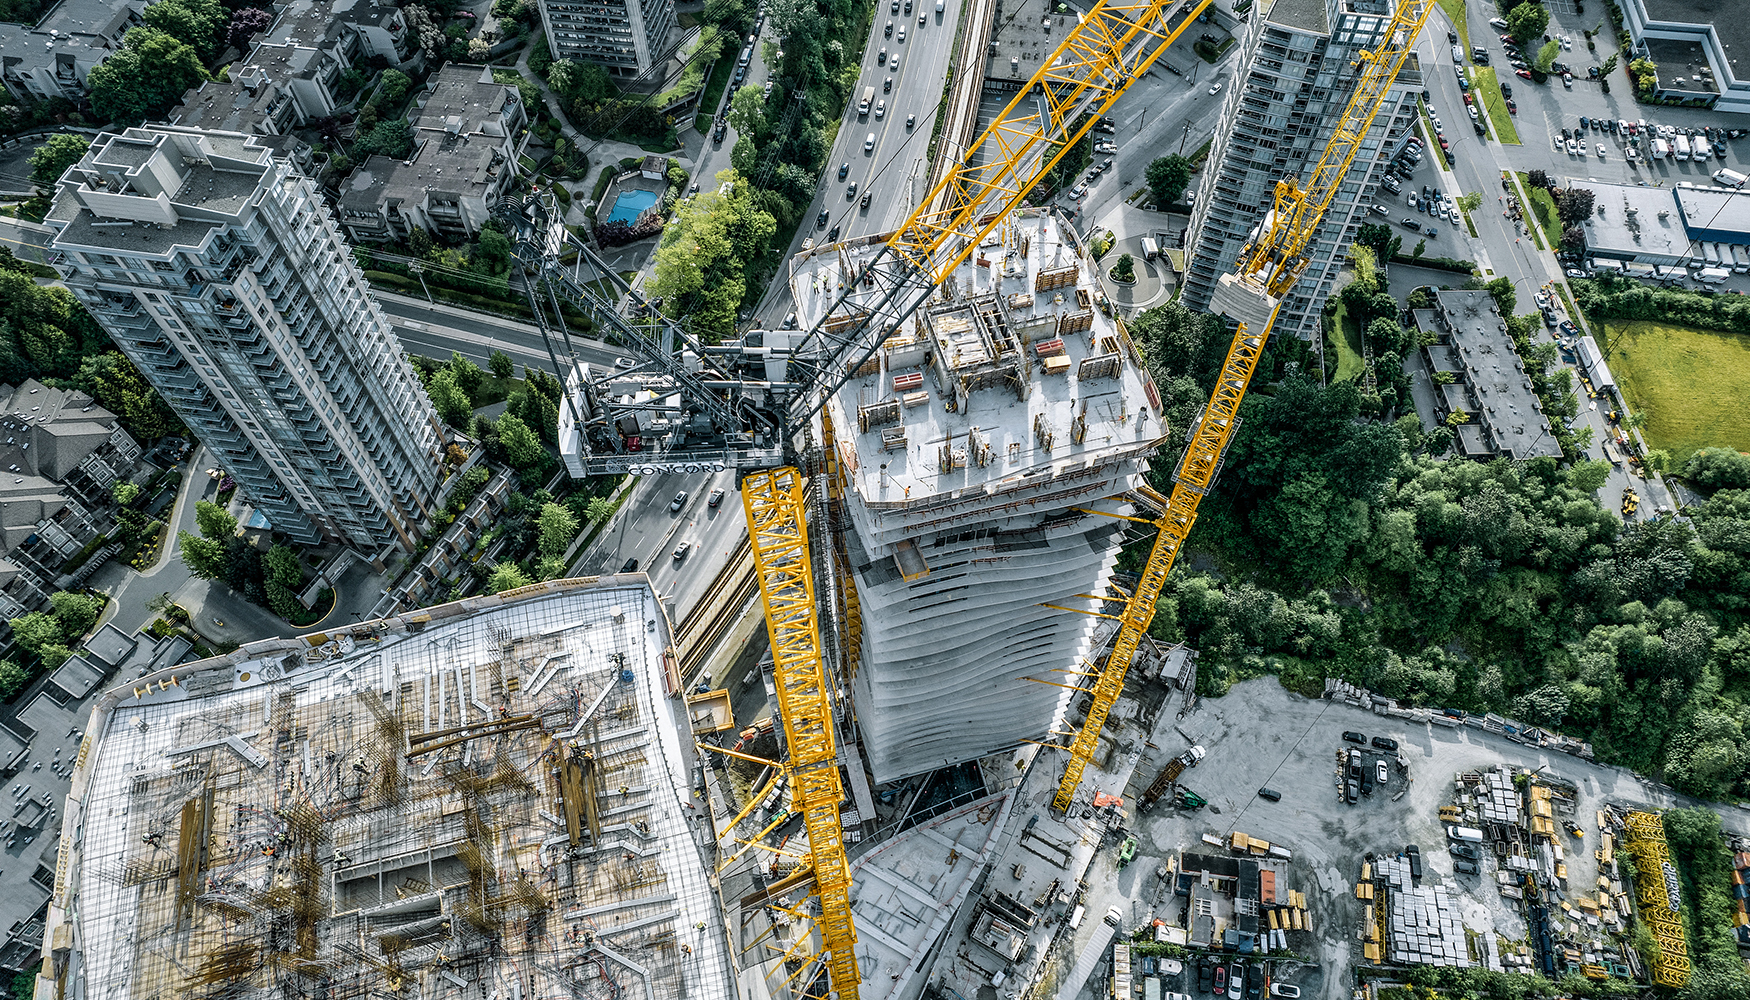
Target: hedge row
[(1610, 297)]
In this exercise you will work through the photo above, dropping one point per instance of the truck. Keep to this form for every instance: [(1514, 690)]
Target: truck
[(1169, 774), (1740, 259), (1680, 147), (1730, 178), (1661, 149), (868, 99), (1150, 249), (1712, 275)]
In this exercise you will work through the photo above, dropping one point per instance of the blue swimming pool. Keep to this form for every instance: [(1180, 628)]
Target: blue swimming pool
[(630, 205)]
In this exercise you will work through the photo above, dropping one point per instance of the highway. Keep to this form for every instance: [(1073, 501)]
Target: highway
[(646, 529)]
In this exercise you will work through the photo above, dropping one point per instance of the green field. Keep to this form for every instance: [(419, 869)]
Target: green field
[(1544, 207), (1688, 382), (1487, 87), (1455, 12), (1347, 342)]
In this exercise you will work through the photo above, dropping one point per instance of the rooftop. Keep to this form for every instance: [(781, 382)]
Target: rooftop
[(486, 795), (1506, 402), (1685, 60), (80, 29), (461, 127), (309, 22), (1630, 220), (1724, 15), (48, 431), (1008, 380), (1305, 15), (1715, 213)]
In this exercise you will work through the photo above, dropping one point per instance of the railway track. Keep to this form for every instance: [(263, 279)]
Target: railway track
[(716, 611)]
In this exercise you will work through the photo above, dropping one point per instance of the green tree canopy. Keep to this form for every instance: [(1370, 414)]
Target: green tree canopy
[(52, 158), (146, 77), (35, 630), (452, 404), (204, 557), (1546, 56), (114, 382), (77, 612), (12, 680), (1718, 468), (215, 522), (195, 22), (702, 262), (558, 526), (599, 510), (393, 138), (501, 365), (1167, 177), (1527, 21), (281, 563), (506, 576), (522, 447)]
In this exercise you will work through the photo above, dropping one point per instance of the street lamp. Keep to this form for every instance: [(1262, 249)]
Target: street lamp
[(418, 269)]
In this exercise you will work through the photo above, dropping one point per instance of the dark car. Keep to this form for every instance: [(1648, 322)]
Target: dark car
[(1414, 855), (1270, 793), (1352, 736), (1205, 976), (833, 235), (1506, 89), (1468, 851), (1385, 743), (845, 168), (1466, 867), (1366, 781), (715, 498), (1569, 329), (820, 220), (1352, 790), (631, 566), (1254, 983)]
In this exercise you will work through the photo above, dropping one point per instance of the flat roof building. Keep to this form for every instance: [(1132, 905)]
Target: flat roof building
[(1699, 47), (53, 57), (1636, 224), (1714, 214), (1502, 415), (482, 799)]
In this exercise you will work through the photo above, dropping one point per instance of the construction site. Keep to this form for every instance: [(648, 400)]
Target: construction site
[(486, 798)]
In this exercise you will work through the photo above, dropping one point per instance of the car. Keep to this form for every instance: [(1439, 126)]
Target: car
[(1463, 84), (1255, 984), (844, 170), (1350, 736), (820, 220), (1498, 23), (1466, 867), (893, 64), (895, 8), (1366, 781), (1469, 98), (629, 566), (908, 6), (680, 551), (881, 57), (1381, 775), (1381, 209), (679, 501), (1285, 990), (1452, 36), (624, 363), (1508, 40), (1410, 223), (1567, 134), (1352, 791), (868, 196), (1471, 109), (1568, 80), (923, 17), (1573, 148), (1525, 73), (1480, 58), (1215, 88), (1600, 150), (1205, 976), (869, 143), (888, 31), (1463, 850), (1583, 121), (1506, 90), (1384, 743), (900, 38), (1220, 980), (887, 85), (1512, 108), (1430, 231), (717, 131), (832, 235), (715, 498), (910, 121), (1270, 793), (851, 192), (789, 324), (881, 109), (1236, 983)]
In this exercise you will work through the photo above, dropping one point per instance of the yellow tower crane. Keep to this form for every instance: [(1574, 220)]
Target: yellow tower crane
[(1267, 268)]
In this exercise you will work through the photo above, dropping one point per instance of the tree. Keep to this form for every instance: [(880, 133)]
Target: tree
[(1527, 21), (12, 680), (747, 111), (1125, 269), (1470, 202), (246, 24), (451, 403), (1645, 73), (281, 563), (522, 447), (195, 22), (1366, 266), (1538, 178), (1588, 477), (35, 630), (506, 576), (215, 522), (393, 139), (53, 157), (467, 373), (1718, 469), (494, 250), (1420, 248), (1656, 460), (113, 381), (1574, 205), (1505, 296), (558, 526), (204, 557), (599, 510), (1546, 56), (77, 612), (392, 89), (146, 76), (1167, 178), (1573, 239), (1609, 66), (1376, 237), (125, 492), (501, 365)]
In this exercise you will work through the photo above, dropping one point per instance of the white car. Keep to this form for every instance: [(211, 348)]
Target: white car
[(1285, 990), (679, 501), (900, 38), (1077, 191), (1573, 148), (1601, 151), (880, 109), (1215, 88), (1382, 774), (1452, 213)]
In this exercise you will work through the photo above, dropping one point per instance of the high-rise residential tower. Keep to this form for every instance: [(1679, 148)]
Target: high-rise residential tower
[(1296, 74), (628, 38), (219, 272)]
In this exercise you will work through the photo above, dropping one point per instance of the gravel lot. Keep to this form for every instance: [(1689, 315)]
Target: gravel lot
[(1261, 735)]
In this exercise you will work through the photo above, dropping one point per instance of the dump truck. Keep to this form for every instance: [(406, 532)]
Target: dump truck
[(1170, 774)]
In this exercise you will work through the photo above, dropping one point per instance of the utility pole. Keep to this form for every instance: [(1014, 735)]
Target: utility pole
[(1183, 137), (419, 269)]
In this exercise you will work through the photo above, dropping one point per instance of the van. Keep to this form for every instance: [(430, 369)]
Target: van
[(1730, 178), (1114, 915), (1469, 833), (940, 6), (1075, 919), (746, 56), (869, 143), (1150, 249), (1712, 275), (1458, 55), (868, 97)]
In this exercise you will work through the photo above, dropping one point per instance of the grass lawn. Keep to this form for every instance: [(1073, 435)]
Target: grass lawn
[(1350, 364), (1488, 90), (1544, 207), (1455, 12), (1431, 141), (1688, 382)]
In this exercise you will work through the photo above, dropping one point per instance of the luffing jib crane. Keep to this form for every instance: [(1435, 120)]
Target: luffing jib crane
[(1267, 268)]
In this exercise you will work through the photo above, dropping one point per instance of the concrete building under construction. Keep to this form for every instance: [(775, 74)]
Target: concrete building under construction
[(486, 798), (972, 449)]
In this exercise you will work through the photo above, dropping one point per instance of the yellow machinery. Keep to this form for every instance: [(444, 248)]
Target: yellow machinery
[(1267, 268)]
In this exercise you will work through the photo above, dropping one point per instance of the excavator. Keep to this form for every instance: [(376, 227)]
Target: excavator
[(748, 405)]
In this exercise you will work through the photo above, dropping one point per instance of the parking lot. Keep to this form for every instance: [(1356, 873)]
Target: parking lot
[(1259, 735)]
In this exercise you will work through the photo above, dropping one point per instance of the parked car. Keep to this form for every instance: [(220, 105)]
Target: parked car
[(1285, 990), (1385, 743), (1466, 867), (1220, 980), (1574, 272), (1381, 775), (629, 566), (1463, 850), (1270, 793), (1350, 735)]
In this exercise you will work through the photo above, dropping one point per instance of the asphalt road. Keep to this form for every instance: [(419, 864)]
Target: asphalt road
[(436, 330), (647, 530)]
